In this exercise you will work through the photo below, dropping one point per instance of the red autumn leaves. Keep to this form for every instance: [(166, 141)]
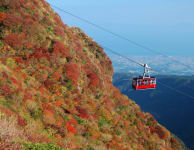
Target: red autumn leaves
[(59, 48), (2, 16), (83, 113), (72, 72), (12, 40)]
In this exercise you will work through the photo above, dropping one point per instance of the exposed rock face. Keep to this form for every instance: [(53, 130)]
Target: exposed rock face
[(56, 87)]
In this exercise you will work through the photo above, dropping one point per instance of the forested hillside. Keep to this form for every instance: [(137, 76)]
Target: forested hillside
[(56, 89)]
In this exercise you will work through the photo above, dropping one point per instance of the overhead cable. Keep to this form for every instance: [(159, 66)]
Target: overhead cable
[(130, 41), (171, 88), (121, 37)]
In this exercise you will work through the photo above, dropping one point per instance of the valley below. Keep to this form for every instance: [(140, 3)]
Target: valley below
[(170, 108)]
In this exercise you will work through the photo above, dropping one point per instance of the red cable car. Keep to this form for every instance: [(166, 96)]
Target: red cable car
[(145, 81)]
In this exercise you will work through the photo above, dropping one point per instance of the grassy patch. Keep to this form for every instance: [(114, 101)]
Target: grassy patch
[(41, 146), (80, 121), (102, 121), (5, 104), (90, 148)]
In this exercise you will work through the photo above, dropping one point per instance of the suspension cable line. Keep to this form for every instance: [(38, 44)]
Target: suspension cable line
[(132, 42), (121, 37), (171, 88), (113, 52)]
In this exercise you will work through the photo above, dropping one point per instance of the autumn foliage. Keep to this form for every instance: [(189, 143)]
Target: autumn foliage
[(94, 80), (13, 40), (2, 16), (56, 87), (12, 20), (83, 113), (59, 48), (72, 72)]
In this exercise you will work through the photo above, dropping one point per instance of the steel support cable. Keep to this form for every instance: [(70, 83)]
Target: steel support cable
[(113, 52), (178, 91), (121, 37), (171, 88), (130, 41)]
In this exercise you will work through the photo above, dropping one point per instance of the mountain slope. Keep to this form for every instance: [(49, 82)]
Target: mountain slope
[(171, 109), (56, 87)]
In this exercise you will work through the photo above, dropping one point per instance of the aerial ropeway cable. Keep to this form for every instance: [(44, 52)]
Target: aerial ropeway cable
[(142, 82), (122, 37), (146, 81)]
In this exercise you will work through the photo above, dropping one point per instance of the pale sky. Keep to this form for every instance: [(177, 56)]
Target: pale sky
[(165, 26)]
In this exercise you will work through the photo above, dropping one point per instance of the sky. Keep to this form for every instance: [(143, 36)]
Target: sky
[(164, 26)]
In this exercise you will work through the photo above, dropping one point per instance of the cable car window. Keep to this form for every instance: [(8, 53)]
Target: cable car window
[(154, 81)]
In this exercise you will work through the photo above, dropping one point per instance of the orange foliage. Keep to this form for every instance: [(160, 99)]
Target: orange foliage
[(27, 95), (109, 103), (78, 98), (13, 40), (56, 76), (72, 72), (175, 144), (28, 46), (37, 138), (59, 31), (73, 121), (83, 113), (59, 102), (36, 2), (5, 90), (49, 117), (42, 89), (95, 133), (58, 63), (117, 94), (12, 20), (71, 129), (2, 16), (59, 47), (114, 144), (94, 79), (95, 116), (92, 104), (58, 136), (158, 130), (39, 53), (46, 106), (174, 141), (59, 121), (6, 111), (28, 21), (140, 125)]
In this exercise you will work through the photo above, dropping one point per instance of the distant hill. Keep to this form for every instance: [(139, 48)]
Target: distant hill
[(171, 109)]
